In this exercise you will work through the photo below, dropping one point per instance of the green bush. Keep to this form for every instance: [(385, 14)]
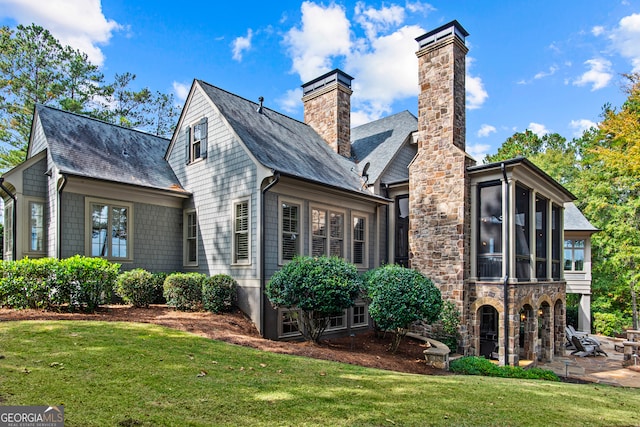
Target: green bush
[(474, 365), (610, 324), (136, 287), (183, 291), (400, 296), (158, 287), (319, 287), (219, 293), (79, 282)]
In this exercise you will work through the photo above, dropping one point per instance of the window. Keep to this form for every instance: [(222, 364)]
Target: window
[(190, 238), (289, 322), (490, 230), (327, 239), (290, 232), (359, 240), (574, 255), (8, 230), (556, 233), (241, 232), (360, 315), (196, 141), (337, 322), (541, 237), (36, 226), (110, 229), (522, 220)]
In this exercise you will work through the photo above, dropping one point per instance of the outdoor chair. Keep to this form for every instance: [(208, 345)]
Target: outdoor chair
[(585, 350), (582, 336)]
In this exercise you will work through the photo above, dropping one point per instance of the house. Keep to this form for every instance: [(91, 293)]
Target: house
[(241, 189)]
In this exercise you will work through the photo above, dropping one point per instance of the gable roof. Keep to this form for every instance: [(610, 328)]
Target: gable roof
[(574, 220), (87, 147), (286, 145), (378, 142)]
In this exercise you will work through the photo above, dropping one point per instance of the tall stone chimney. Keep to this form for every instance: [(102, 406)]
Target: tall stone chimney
[(439, 200), (327, 109)]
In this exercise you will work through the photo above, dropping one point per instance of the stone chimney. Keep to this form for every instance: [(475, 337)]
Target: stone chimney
[(327, 109), (439, 189)]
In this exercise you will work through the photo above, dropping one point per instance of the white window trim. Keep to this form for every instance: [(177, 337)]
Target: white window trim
[(234, 261), (88, 201), (185, 240), (27, 227), (300, 205), (192, 140), (329, 210), (354, 215), (9, 223)]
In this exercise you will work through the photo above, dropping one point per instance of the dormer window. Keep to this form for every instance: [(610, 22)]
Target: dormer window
[(196, 141)]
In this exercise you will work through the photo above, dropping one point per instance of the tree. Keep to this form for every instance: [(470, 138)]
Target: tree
[(320, 287), (400, 296)]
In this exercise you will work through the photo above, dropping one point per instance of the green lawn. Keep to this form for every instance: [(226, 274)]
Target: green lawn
[(129, 374)]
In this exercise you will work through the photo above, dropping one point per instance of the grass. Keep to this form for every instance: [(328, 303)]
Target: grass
[(130, 374)]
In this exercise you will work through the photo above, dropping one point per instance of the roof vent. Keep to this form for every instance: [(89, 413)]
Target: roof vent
[(261, 99)]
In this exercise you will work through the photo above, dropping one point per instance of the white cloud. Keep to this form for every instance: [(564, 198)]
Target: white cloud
[(543, 74), (478, 151), (241, 44), (181, 90), (538, 129), (597, 30), (419, 6), (77, 23), (485, 130), (476, 94), (598, 76), (581, 125), (626, 39), (323, 34), (291, 101), (373, 21)]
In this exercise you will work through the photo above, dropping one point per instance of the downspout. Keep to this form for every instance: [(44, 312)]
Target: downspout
[(59, 218), (263, 281), (15, 217), (506, 264), (387, 232)]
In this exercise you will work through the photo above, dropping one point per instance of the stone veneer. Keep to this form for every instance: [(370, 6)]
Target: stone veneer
[(439, 188), (327, 109)]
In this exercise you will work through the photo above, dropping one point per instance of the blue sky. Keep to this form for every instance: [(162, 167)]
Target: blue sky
[(548, 66)]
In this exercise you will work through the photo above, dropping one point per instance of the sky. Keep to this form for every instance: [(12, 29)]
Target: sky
[(546, 65)]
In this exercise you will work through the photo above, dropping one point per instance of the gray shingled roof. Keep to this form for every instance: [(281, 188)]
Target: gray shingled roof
[(285, 145), (90, 148), (379, 141), (574, 220)]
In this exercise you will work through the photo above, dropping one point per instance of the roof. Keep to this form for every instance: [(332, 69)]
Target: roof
[(91, 148), (378, 142), (286, 145), (574, 220)]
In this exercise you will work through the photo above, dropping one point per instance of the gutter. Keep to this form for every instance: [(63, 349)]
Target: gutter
[(505, 284), (59, 219), (15, 217), (263, 281)]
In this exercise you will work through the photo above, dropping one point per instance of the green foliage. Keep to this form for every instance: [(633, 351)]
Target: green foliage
[(158, 287), (319, 286), (78, 282), (219, 293), (136, 287), (400, 296), (610, 324), (450, 321), (474, 365), (183, 291)]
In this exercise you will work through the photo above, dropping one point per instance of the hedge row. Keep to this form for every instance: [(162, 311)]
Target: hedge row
[(77, 282), (195, 291), (474, 365)]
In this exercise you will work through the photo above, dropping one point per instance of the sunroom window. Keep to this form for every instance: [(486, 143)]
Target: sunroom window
[(490, 230)]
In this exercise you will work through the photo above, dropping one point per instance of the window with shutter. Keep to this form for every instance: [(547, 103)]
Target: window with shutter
[(241, 233)]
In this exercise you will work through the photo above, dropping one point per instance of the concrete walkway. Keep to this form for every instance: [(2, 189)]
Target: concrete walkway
[(599, 369)]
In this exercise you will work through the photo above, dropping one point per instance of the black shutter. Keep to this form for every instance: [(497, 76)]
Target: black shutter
[(187, 134), (205, 135)]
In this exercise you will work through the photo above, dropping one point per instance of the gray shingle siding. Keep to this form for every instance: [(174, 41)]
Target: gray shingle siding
[(72, 224), (398, 169), (157, 244), (34, 180)]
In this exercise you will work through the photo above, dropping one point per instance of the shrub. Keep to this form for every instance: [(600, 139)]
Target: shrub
[(400, 296), (80, 282), (158, 287), (218, 293), (319, 287), (183, 291), (450, 321), (474, 365), (609, 324), (136, 287)]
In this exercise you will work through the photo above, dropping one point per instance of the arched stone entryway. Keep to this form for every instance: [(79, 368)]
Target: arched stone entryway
[(528, 333), (489, 331)]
